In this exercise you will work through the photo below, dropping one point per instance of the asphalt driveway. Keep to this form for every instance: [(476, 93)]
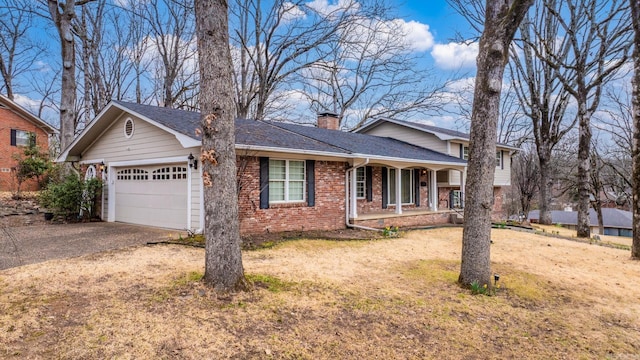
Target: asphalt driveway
[(32, 244)]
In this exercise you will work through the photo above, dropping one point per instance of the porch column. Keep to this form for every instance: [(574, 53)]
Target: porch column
[(353, 202), (433, 191), (463, 176), (398, 191)]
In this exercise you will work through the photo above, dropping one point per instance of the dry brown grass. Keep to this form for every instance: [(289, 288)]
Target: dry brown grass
[(314, 299)]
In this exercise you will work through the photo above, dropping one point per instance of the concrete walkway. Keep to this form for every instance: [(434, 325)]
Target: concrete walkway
[(33, 244)]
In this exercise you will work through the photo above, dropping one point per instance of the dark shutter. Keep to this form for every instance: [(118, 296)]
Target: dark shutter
[(385, 190), (502, 159), (264, 183), (369, 182), (32, 139), (416, 185), (13, 137), (311, 182), (461, 151), (451, 199)]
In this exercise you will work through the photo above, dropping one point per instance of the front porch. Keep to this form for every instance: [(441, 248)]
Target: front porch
[(408, 218)]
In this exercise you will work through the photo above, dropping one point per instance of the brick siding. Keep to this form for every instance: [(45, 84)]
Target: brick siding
[(327, 214), (10, 120)]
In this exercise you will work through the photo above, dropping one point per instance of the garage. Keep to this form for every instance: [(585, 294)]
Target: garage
[(152, 195)]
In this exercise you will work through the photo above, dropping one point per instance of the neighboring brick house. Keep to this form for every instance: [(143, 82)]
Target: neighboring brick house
[(18, 128), (450, 182), (291, 177)]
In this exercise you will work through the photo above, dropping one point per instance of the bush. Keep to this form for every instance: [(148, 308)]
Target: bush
[(68, 197)]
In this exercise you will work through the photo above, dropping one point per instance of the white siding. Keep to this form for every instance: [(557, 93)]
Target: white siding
[(147, 142), (195, 199), (503, 174), (411, 136)]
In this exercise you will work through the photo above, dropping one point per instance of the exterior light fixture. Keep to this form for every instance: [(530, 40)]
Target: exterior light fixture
[(496, 277), (193, 162), (101, 166)]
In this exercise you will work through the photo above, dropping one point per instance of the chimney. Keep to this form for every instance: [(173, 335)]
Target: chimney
[(328, 120)]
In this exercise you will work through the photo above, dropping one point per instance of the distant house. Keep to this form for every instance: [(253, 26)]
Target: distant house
[(291, 177), (452, 143), (616, 222), (18, 129)]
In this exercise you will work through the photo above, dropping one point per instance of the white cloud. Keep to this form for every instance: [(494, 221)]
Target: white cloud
[(418, 36), (326, 8), (454, 56)]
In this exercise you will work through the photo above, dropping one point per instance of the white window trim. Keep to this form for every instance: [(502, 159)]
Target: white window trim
[(133, 128), (465, 152), (412, 186), (363, 182), (286, 182), (499, 158)]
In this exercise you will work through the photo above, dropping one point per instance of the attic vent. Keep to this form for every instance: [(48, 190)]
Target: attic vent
[(128, 128)]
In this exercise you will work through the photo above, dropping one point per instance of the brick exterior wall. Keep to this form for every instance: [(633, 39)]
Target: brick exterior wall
[(327, 214), (10, 120)]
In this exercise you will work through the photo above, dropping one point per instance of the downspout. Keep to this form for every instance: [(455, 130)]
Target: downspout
[(350, 225)]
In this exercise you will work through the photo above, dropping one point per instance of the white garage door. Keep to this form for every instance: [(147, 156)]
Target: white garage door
[(152, 195)]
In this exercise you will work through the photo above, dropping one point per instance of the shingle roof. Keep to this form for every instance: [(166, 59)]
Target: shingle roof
[(614, 218), (367, 144), (294, 137)]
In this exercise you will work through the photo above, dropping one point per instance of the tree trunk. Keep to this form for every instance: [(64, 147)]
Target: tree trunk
[(584, 165), (501, 21), (68, 87), (223, 263), (546, 188), (635, 16)]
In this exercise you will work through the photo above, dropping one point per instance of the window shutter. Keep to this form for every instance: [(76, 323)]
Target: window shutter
[(311, 182), (451, 199), (13, 137), (461, 151), (416, 185), (385, 190), (32, 139), (369, 183), (502, 159), (264, 183)]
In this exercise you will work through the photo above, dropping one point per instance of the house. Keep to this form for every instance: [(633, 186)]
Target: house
[(290, 177), (18, 129), (450, 142), (616, 222)]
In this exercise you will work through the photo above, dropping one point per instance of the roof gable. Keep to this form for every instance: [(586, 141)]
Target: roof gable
[(441, 133), (26, 115)]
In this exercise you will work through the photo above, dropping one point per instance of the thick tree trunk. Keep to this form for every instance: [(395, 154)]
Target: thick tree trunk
[(635, 16), (501, 21), (63, 21), (223, 264)]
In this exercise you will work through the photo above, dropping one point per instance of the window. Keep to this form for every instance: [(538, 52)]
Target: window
[(456, 199), (465, 153), (169, 173), (286, 180), (132, 174), (361, 183), (128, 128), (499, 158), (407, 186), (22, 138)]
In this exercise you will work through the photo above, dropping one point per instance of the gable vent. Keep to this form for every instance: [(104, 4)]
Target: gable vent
[(128, 128)]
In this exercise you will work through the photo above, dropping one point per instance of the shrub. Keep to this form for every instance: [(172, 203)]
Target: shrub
[(68, 197)]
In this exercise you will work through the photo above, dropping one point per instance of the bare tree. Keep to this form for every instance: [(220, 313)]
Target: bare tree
[(539, 89), (18, 52), (63, 14), (502, 19), (171, 24), (525, 174), (273, 42), (635, 18), (223, 264), (599, 43), (369, 72)]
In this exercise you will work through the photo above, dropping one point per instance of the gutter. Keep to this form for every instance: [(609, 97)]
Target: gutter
[(350, 225)]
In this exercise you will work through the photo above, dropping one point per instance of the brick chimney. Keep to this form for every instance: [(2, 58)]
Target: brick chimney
[(328, 120)]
